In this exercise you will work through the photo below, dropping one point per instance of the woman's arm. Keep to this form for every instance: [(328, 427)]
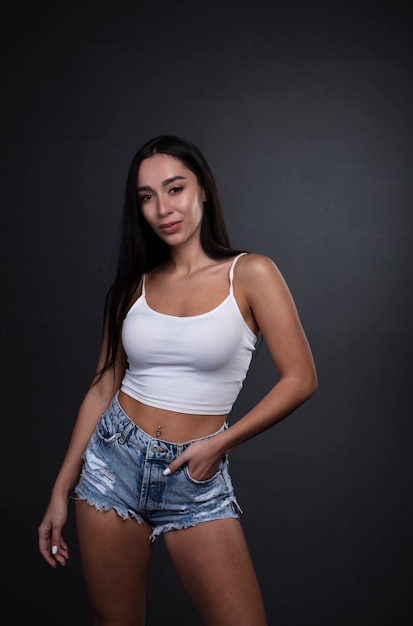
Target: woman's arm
[(272, 307), (95, 402), (267, 305)]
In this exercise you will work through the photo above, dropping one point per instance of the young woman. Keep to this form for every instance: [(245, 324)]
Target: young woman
[(149, 450)]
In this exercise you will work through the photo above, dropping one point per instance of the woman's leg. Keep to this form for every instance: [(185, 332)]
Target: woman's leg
[(214, 565), (115, 557)]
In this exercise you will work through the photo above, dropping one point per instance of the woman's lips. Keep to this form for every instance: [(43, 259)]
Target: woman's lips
[(170, 228)]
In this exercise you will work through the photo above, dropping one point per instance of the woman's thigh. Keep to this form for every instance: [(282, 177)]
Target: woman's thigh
[(213, 563), (115, 555)]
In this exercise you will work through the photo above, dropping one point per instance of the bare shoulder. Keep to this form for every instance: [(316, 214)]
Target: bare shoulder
[(257, 270), (263, 294)]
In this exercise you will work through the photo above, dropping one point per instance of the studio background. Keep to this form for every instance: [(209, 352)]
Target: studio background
[(304, 112)]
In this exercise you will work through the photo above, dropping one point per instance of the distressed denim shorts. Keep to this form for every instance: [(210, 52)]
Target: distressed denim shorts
[(123, 470)]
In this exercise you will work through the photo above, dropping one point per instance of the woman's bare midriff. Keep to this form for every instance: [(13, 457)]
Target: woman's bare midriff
[(168, 425)]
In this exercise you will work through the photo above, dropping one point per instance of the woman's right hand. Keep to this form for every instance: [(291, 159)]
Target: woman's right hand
[(52, 546)]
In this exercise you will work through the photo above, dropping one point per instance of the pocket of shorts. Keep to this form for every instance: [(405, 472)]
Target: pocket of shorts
[(106, 430), (207, 480)]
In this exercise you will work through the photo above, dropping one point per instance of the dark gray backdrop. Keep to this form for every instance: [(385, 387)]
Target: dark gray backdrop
[(304, 113)]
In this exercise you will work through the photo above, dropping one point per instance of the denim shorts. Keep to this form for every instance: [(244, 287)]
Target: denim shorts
[(123, 470)]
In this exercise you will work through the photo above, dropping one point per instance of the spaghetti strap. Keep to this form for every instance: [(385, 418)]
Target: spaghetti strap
[(231, 271)]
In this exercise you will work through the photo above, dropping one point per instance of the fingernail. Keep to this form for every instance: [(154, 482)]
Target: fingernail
[(166, 471), (54, 550)]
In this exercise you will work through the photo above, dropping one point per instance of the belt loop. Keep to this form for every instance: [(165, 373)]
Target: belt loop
[(124, 434)]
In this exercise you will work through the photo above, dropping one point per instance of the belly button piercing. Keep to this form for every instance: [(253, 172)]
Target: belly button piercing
[(158, 431)]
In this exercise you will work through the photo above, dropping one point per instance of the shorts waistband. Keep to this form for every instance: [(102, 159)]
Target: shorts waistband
[(155, 446)]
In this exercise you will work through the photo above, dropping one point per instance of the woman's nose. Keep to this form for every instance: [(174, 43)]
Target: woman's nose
[(163, 206)]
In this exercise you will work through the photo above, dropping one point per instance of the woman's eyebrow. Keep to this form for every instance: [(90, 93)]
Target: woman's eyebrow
[(164, 183)]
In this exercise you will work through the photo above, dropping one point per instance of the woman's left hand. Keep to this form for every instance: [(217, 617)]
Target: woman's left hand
[(202, 458)]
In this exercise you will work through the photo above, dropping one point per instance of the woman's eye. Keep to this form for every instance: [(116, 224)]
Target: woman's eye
[(145, 197), (175, 190)]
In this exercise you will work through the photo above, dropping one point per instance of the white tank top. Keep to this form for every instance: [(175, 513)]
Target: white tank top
[(195, 364)]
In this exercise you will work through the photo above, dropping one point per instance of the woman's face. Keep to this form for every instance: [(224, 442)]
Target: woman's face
[(170, 198)]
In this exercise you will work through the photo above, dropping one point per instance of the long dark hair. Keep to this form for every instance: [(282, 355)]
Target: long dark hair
[(141, 250)]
